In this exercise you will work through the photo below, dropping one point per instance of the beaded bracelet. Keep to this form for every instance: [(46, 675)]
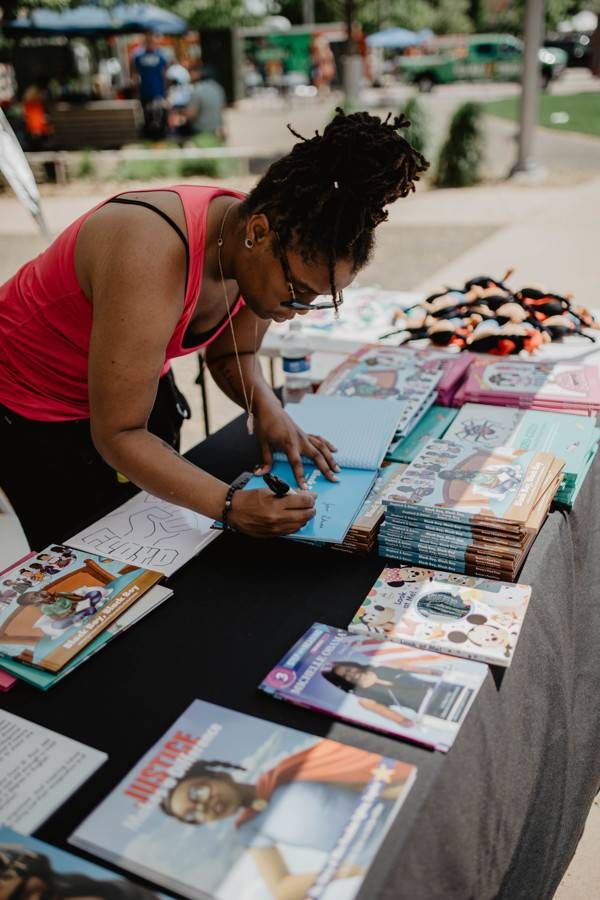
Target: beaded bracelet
[(236, 485)]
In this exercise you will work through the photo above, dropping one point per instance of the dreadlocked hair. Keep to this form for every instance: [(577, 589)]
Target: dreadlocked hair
[(326, 197)]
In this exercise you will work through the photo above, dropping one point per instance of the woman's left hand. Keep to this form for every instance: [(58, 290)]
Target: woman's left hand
[(276, 431)]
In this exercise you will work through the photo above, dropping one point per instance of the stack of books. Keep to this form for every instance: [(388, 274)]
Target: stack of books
[(62, 605), (574, 439), (434, 424), (362, 534), (467, 510), (556, 386)]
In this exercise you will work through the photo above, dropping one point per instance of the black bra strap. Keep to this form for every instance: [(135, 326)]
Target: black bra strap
[(168, 219)]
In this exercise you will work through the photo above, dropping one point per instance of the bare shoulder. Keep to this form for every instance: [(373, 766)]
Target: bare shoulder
[(133, 244)]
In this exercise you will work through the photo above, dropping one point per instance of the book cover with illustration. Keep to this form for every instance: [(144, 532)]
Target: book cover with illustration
[(229, 806), (574, 439), (572, 385), (448, 477), (44, 680), (434, 424), (474, 618), (337, 503), (409, 693), (33, 869), (57, 601)]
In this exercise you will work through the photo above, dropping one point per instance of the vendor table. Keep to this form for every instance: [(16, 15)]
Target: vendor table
[(498, 816)]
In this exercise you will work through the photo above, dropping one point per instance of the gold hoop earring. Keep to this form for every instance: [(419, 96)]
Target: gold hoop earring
[(249, 244)]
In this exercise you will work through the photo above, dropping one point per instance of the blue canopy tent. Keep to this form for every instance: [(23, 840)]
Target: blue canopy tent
[(82, 21), (95, 21), (398, 38), (135, 17)]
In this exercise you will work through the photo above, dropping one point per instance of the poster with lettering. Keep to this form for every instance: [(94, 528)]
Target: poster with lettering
[(149, 532), (407, 692), (39, 770), (229, 806)]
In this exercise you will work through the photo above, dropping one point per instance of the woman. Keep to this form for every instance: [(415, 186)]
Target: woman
[(305, 801), (385, 690), (88, 328)]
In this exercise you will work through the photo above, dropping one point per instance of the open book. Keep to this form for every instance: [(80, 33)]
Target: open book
[(360, 429)]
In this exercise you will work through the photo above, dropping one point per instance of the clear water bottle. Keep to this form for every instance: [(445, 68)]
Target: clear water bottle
[(295, 360)]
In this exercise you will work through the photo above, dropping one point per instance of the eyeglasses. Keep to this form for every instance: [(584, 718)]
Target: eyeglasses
[(293, 302)]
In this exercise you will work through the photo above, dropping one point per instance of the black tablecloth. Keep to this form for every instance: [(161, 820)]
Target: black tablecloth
[(498, 816)]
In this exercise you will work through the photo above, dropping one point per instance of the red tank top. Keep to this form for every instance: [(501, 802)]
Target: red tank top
[(46, 320)]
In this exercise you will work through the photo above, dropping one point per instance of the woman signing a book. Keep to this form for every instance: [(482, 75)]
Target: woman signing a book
[(87, 329)]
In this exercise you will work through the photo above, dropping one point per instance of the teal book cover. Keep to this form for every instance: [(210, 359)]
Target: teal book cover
[(337, 505), (434, 424)]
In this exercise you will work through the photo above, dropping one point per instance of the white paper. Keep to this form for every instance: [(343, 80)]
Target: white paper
[(39, 770), (148, 532)]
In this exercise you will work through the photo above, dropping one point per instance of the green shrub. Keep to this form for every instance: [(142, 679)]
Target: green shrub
[(418, 133), (461, 156), (86, 167), (143, 169)]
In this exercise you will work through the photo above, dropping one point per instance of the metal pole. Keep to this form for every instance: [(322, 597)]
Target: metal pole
[(351, 62), (308, 12), (530, 85)]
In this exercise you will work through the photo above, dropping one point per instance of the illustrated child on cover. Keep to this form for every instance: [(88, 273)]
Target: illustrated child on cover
[(63, 610), (303, 801)]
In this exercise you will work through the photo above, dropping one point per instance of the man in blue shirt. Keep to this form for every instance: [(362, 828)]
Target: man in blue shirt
[(150, 65)]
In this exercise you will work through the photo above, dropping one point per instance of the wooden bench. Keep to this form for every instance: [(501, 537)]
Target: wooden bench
[(99, 124)]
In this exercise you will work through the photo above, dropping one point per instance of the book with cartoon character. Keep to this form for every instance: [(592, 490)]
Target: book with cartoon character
[(455, 481), (58, 600), (233, 807), (434, 424), (415, 694), (573, 439), (565, 386), (474, 618)]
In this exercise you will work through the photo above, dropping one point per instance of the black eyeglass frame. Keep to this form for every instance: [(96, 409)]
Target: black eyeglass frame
[(293, 302)]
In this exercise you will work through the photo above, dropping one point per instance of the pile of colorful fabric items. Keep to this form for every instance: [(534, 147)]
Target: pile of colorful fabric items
[(486, 316)]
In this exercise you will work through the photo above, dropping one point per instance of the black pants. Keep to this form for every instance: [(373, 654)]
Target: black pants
[(56, 479)]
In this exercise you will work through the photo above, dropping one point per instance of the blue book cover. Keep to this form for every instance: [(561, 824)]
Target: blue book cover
[(433, 425), (230, 806), (32, 868), (337, 504), (336, 419), (404, 691)]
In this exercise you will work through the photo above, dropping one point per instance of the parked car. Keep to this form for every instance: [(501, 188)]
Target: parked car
[(578, 47), (484, 57)]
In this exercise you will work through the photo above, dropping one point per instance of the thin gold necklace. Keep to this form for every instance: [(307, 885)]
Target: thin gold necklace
[(248, 401)]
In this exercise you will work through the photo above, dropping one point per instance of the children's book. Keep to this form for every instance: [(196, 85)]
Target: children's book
[(434, 424), (27, 862), (455, 480), (474, 618), (573, 439), (44, 680), (566, 386), (148, 532), (228, 806), (403, 691), (337, 503), (361, 430), (61, 599), (6, 681), (39, 770)]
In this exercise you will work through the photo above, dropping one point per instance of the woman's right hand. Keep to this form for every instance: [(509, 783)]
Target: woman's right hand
[(260, 513)]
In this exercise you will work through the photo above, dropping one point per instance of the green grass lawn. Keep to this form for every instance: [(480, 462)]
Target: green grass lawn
[(583, 111)]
